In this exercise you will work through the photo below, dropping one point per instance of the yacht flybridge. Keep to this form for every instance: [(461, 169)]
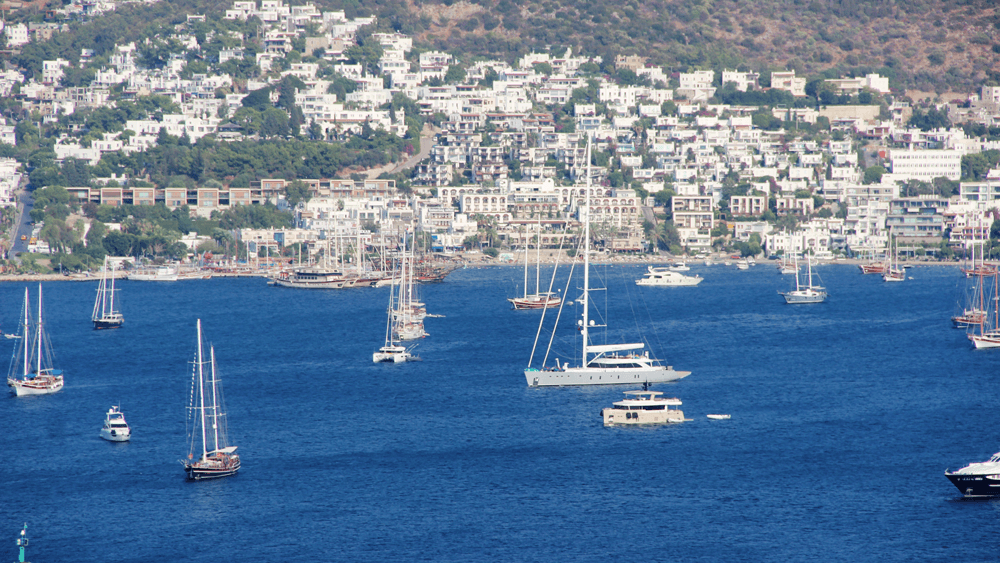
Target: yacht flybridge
[(979, 479), (605, 364)]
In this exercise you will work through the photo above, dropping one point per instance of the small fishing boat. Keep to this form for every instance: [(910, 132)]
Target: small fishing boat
[(115, 428)]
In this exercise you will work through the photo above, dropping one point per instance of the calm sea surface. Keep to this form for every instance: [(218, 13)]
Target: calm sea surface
[(844, 417)]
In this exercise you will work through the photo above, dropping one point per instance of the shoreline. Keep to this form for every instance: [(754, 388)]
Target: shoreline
[(482, 261)]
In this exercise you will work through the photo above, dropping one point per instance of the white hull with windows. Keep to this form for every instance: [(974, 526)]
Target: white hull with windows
[(115, 428), (643, 407)]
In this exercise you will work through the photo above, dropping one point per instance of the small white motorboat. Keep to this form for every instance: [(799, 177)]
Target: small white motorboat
[(115, 428), (719, 416)]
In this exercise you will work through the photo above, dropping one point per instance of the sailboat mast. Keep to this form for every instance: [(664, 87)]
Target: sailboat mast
[(38, 333), (25, 334), (112, 309), (525, 231), (795, 259), (215, 401), (538, 253), (201, 393), (586, 259), (809, 265)]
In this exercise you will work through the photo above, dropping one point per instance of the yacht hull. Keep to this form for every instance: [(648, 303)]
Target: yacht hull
[(115, 436), (337, 284), (975, 485), (531, 302), (988, 341), (619, 417), (793, 299), (22, 388), (200, 471), (100, 324), (601, 376)]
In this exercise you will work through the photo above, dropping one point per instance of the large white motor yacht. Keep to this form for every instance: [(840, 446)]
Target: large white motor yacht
[(666, 277), (643, 407), (979, 479)]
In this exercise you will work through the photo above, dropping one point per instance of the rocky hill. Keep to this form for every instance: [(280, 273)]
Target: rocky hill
[(929, 45)]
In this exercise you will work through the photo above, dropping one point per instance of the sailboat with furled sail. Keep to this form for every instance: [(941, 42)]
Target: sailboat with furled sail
[(986, 334), (31, 371), (602, 364), (538, 299), (209, 439), (106, 314)]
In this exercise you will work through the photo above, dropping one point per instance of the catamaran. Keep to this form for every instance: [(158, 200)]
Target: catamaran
[(106, 314), (604, 364), (208, 434), (31, 371)]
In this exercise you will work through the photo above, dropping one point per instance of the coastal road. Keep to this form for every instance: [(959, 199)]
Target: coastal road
[(426, 143), (21, 227)]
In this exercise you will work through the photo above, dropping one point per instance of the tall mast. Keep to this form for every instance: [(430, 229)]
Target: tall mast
[(215, 400), (795, 259), (112, 287), (538, 252), (26, 333), (586, 259), (525, 231), (201, 394), (38, 334)]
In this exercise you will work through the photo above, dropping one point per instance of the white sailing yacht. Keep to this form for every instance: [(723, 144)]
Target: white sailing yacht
[(538, 299), (892, 272), (208, 433), (807, 293), (987, 334), (392, 351), (106, 315), (410, 312), (605, 364), (32, 360)]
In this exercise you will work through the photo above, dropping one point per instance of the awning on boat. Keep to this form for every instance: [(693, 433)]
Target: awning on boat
[(605, 348), (228, 450)]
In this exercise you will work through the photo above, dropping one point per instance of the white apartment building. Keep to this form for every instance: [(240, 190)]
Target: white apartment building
[(743, 80), (747, 205), (17, 35), (925, 165), (789, 82), (874, 82), (693, 217)]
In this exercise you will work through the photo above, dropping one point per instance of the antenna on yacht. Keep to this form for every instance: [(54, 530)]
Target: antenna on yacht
[(645, 385)]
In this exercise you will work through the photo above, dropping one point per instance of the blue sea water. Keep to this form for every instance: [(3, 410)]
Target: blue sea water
[(844, 417)]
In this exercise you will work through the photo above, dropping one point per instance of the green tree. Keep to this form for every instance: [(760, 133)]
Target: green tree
[(296, 192), (873, 174)]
